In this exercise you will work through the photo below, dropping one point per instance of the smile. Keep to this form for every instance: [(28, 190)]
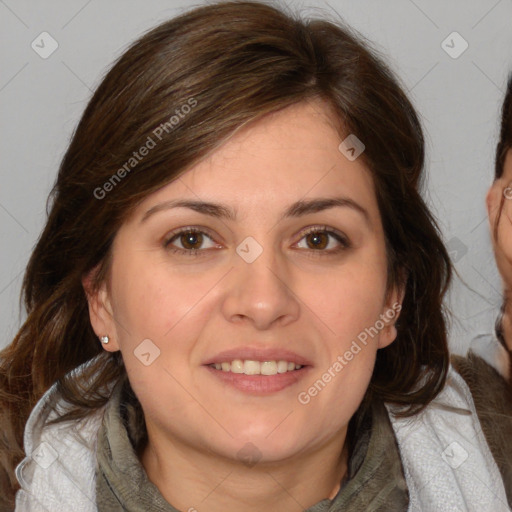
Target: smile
[(250, 367)]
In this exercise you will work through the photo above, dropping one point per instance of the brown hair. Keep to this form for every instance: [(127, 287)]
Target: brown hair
[(504, 145), (236, 61), (505, 142)]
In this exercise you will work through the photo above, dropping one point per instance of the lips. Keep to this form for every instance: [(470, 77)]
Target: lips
[(263, 381)]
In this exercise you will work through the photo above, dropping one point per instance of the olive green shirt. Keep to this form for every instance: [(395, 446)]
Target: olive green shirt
[(375, 480)]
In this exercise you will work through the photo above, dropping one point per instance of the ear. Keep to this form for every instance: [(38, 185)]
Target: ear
[(493, 202), (390, 314), (100, 310)]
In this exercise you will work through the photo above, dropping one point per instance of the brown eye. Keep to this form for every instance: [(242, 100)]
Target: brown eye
[(324, 240), (190, 242), (318, 240)]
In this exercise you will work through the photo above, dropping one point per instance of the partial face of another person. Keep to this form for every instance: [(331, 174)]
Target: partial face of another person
[(251, 300), (499, 199)]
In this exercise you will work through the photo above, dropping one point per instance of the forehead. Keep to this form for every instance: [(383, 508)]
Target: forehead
[(280, 158)]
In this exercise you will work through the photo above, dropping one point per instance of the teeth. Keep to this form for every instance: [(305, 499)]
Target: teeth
[(269, 368), (250, 367), (282, 367), (237, 366)]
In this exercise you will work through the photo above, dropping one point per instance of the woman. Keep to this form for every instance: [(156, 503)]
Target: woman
[(499, 207), (236, 302)]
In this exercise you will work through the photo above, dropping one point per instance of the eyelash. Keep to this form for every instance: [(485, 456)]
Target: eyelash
[(342, 239)]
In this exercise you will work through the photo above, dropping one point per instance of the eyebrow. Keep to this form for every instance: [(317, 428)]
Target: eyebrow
[(297, 209)]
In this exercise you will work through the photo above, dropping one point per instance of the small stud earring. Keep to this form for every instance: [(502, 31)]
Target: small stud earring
[(105, 339)]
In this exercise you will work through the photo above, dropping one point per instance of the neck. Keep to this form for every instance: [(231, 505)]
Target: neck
[(192, 480)]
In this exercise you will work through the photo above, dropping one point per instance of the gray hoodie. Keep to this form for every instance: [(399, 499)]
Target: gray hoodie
[(457, 455)]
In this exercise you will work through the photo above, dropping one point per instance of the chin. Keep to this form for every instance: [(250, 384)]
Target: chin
[(262, 451), (269, 440)]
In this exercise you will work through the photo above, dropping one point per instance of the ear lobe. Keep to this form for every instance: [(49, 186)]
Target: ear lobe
[(100, 310), (390, 315), (389, 333), (387, 336)]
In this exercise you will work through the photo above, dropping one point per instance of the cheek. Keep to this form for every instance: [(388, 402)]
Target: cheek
[(151, 297), (350, 305), (353, 298), (504, 244), (143, 299)]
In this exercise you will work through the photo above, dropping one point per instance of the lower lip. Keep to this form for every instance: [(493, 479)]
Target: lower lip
[(259, 384)]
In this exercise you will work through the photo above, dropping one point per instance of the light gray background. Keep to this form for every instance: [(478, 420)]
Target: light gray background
[(41, 101)]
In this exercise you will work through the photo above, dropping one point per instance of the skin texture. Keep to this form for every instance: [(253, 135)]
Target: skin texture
[(293, 296), (502, 244)]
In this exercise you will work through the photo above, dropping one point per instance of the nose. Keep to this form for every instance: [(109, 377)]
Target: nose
[(260, 292)]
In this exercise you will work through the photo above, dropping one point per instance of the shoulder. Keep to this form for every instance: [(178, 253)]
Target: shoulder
[(485, 371), (486, 356), (489, 384), (445, 449), (486, 374), (58, 471)]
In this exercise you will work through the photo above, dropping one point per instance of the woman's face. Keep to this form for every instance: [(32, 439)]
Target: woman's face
[(255, 334), (501, 192)]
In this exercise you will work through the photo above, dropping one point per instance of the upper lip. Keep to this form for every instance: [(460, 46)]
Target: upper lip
[(258, 354)]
